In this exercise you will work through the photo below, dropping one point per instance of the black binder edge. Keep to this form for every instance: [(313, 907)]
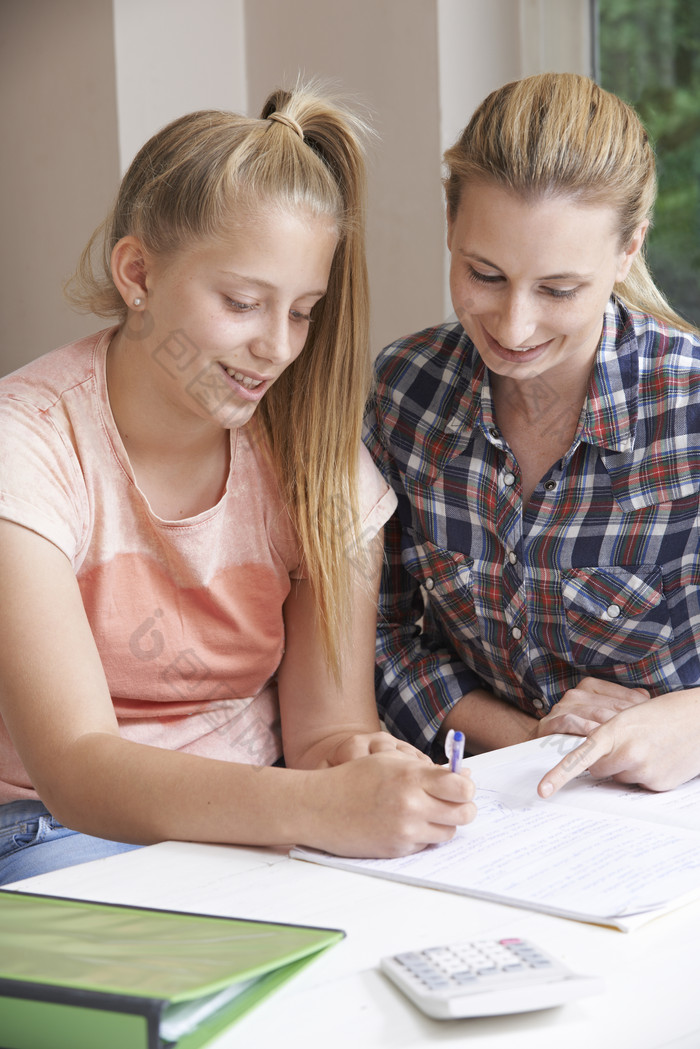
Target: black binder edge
[(150, 1008)]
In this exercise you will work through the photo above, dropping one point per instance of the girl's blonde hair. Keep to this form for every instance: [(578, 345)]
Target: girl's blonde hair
[(562, 134), (192, 180)]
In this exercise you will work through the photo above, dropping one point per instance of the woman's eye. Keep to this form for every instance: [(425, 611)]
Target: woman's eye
[(483, 278), (561, 293), (497, 278), (240, 307)]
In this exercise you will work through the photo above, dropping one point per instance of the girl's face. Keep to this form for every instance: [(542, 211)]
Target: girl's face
[(530, 280), (226, 316)]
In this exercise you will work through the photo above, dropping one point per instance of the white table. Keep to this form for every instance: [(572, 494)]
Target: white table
[(341, 1000)]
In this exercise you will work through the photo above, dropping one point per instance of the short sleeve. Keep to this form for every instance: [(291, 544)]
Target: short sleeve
[(40, 484), (376, 500)]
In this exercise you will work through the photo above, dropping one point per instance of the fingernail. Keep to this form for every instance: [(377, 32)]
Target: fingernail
[(546, 789)]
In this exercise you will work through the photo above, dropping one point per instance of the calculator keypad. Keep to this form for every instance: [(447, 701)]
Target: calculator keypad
[(474, 965)]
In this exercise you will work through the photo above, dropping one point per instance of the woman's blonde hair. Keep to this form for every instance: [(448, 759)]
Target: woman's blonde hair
[(562, 134), (193, 180)]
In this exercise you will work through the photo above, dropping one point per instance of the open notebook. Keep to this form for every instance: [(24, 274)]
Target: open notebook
[(598, 851), (82, 975)]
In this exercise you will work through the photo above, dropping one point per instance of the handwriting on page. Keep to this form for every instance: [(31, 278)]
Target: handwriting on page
[(542, 855)]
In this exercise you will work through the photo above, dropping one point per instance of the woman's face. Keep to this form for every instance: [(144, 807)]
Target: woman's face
[(226, 316), (530, 279)]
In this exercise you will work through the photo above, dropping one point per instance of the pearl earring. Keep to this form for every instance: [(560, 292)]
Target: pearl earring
[(138, 302)]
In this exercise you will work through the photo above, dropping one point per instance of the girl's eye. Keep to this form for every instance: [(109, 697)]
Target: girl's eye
[(240, 307), (300, 316)]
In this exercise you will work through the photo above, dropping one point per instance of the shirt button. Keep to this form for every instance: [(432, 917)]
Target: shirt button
[(613, 611), (550, 485), (513, 557), (494, 433), (430, 583), (516, 632), (509, 478), (538, 704)]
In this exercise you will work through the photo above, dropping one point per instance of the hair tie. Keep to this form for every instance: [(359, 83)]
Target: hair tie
[(282, 118)]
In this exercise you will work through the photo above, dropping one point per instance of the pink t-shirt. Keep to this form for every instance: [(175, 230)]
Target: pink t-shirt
[(187, 615)]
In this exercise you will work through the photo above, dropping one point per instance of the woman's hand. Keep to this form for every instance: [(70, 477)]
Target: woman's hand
[(591, 703), (654, 743), (387, 804)]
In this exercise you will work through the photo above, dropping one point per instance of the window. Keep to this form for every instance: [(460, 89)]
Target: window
[(648, 52)]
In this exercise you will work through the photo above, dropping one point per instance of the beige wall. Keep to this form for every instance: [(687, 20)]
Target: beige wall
[(172, 57), (84, 82), (385, 54), (58, 128)]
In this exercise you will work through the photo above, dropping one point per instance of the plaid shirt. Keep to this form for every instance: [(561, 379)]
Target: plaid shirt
[(599, 575)]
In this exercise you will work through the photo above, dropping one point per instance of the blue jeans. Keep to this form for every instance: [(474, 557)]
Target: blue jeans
[(33, 842)]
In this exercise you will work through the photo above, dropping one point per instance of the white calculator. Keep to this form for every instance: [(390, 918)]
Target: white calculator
[(485, 978)]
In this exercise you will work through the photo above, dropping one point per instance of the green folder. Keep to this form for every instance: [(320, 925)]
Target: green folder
[(81, 975)]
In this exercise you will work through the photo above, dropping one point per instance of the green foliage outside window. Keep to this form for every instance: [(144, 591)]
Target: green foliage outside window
[(649, 54)]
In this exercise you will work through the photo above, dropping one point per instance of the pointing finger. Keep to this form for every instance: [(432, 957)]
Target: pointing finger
[(593, 748)]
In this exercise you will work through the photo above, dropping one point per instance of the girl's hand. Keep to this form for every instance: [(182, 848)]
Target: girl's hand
[(655, 744), (383, 805), (590, 704)]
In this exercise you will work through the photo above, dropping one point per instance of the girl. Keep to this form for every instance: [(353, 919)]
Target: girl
[(188, 560)]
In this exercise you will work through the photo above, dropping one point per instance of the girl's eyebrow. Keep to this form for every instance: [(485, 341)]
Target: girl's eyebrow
[(258, 282), (570, 275)]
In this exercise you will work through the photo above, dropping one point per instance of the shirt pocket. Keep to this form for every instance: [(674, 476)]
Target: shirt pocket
[(615, 615), (446, 578)]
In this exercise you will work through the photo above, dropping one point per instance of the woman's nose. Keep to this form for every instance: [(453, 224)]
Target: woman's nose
[(515, 322)]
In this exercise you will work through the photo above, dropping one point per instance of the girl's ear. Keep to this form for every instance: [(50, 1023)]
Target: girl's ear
[(128, 263), (631, 251)]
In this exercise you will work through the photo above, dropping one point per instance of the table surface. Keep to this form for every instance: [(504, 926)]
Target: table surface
[(342, 999)]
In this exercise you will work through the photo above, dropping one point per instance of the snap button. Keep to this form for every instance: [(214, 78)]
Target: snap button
[(613, 611), (494, 433), (516, 632), (429, 583), (550, 485), (538, 704), (513, 557), (509, 478)]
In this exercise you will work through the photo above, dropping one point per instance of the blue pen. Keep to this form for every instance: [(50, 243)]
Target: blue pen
[(456, 749)]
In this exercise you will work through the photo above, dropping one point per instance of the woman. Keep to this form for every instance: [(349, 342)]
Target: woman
[(545, 451), (187, 567)]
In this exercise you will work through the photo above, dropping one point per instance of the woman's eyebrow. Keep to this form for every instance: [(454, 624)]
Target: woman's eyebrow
[(568, 275)]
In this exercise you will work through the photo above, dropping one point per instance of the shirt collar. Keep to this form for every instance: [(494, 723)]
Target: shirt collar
[(610, 413)]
